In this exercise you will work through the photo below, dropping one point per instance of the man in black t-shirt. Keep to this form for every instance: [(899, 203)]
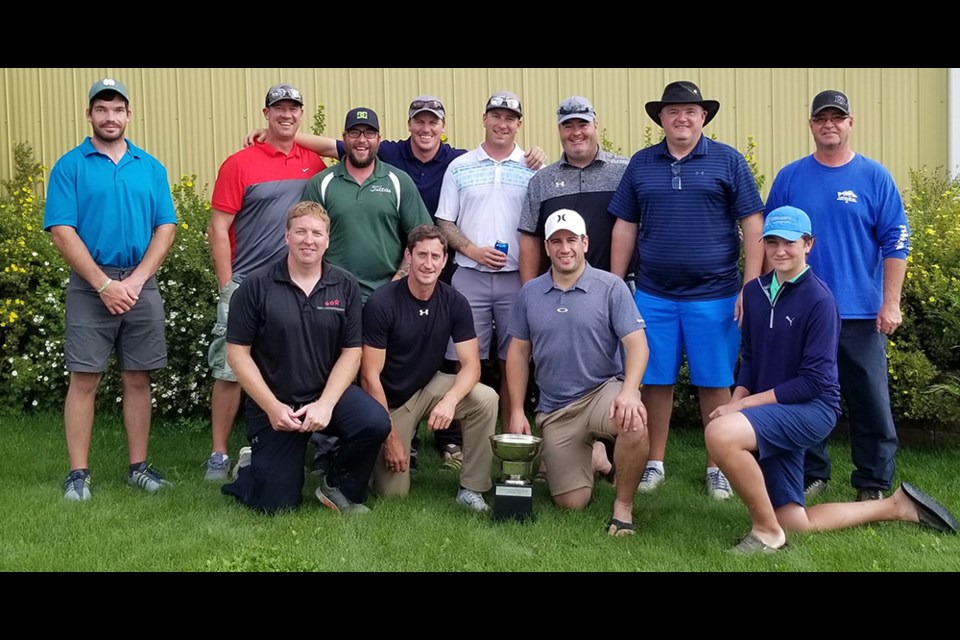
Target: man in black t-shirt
[(407, 326)]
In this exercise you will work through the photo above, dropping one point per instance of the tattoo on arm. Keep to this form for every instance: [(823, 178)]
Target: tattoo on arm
[(455, 237)]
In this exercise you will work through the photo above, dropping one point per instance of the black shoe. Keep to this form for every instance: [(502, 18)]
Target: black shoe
[(869, 494)]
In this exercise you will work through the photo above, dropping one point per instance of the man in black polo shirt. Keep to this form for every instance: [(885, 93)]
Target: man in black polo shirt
[(407, 326), (294, 342)]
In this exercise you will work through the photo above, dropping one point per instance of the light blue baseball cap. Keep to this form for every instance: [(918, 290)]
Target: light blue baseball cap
[(789, 223)]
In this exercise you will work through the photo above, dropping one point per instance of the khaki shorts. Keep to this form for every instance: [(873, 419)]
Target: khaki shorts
[(217, 356), (569, 434)]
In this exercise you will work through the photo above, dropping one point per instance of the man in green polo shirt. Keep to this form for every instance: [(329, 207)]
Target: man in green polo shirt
[(373, 206)]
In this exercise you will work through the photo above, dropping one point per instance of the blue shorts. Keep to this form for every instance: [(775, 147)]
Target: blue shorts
[(784, 432), (705, 330)]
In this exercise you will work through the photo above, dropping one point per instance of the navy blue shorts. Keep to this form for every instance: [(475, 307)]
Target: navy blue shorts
[(784, 432)]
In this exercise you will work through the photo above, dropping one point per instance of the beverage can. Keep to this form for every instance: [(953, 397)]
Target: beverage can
[(502, 247)]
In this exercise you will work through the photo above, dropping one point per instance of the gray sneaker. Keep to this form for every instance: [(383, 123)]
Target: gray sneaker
[(147, 478), (472, 500), (218, 466), (76, 488), (243, 460), (333, 499), (815, 488), (718, 487), (651, 479)]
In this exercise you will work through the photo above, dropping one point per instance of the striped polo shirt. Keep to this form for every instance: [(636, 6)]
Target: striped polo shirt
[(688, 212)]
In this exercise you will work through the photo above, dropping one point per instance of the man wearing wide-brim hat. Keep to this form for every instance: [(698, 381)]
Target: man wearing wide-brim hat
[(683, 206)]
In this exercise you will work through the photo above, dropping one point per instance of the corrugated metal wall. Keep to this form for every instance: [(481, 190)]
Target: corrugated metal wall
[(192, 118)]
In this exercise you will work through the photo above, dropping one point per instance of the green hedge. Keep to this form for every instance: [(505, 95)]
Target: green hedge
[(924, 354)]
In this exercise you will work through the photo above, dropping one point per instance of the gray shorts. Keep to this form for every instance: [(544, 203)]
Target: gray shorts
[(217, 355), (492, 297), (93, 333)]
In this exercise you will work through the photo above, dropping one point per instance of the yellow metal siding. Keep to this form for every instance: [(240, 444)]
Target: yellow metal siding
[(193, 118)]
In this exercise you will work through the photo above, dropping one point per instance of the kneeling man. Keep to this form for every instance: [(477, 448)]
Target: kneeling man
[(294, 342), (407, 326), (574, 320)]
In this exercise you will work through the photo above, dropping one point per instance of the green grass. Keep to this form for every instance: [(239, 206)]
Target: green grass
[(195, 528)]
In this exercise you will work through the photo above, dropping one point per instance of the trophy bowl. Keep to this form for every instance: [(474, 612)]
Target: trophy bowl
[(510, 447)]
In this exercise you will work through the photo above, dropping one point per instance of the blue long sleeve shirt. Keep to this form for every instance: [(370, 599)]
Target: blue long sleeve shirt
[(790, 342)]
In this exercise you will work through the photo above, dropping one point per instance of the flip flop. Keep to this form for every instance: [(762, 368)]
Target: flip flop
[(620, 528), (932, 513), (750, 545)]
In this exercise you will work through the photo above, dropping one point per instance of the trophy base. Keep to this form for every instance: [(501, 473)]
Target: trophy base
[(513, 502)]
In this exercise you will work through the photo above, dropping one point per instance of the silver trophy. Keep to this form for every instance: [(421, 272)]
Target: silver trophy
[(516, 455)]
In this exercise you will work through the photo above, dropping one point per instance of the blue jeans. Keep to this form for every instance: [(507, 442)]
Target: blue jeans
[(274, 480), (862, 365)]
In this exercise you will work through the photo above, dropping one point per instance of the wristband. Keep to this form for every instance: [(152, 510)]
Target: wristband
[(105, 285)]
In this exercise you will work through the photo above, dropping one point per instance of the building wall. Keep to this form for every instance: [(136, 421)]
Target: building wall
[(192, 118)]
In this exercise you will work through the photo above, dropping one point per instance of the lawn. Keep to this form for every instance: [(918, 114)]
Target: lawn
[(194, 528)]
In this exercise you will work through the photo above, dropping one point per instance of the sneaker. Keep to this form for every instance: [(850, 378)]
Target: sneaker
[(452, 457), (76, 488), (243, 460), (718, 487), (815, 488), (864, 495), (218, 466), (147, 478), (472, 500), (332, 498), (650, 480), (319, 466)]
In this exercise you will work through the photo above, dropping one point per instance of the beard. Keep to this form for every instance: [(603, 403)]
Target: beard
[(100, 134), (362, 163)]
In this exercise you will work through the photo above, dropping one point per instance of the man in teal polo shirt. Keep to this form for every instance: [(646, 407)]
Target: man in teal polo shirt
[(111, 215)]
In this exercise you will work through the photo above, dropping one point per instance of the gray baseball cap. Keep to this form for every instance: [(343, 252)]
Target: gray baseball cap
[(108, 84)]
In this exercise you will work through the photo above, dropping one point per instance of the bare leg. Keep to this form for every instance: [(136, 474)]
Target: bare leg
[(710, 399), (601, 464), (224, 405), (842, 515), (137, 412), (574, 500), (630, 456), (731, 441), (78, 414), (659, 402)]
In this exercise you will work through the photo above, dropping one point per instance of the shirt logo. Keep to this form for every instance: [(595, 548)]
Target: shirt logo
[(850, 197), (560, 184), (379, 189), (305, 169), (424, 312), (563, 310), (790, 320)]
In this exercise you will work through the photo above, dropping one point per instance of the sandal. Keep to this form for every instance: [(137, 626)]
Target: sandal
[(452, 457)]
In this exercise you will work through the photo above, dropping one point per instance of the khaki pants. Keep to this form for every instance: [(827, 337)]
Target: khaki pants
[(477, 414)]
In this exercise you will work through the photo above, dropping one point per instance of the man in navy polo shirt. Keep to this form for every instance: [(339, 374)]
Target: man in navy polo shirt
[(294, 342), (683, 206)]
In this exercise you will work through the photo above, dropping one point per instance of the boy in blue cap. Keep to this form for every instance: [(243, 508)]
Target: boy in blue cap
[(788, 398)]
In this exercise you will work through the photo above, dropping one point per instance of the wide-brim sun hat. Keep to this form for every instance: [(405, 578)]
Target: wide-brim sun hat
[(682, 92)]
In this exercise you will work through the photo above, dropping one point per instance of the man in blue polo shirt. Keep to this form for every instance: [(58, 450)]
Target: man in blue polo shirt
[(683, 206), (111, 215)]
